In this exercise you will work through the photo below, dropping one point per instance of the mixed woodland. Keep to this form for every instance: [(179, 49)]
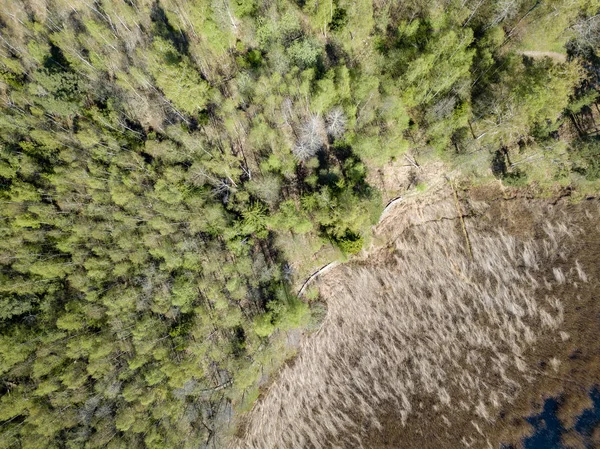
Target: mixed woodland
[(171, 170)]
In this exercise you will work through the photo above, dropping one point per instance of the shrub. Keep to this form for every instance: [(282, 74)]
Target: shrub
[(350, 243)]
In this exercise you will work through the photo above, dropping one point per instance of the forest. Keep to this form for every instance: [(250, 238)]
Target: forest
[(172, 170)]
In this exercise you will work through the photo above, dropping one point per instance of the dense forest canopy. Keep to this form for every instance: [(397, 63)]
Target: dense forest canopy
[(170, 169)]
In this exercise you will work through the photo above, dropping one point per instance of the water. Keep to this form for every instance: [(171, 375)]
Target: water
[(548, 429), (590, 419)]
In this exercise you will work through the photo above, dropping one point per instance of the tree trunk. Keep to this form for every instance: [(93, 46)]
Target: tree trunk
[(471, 128)]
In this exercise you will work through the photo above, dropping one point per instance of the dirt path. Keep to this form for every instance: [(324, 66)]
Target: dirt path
[(559, 57)]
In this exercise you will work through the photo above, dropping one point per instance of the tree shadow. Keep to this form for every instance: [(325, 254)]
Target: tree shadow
[(164, 29)]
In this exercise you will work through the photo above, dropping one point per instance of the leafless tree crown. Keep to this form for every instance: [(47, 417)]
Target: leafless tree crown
[(312, 138), (587, 32), (336, 122)]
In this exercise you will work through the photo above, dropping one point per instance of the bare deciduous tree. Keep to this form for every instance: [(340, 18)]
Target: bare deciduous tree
[(505, 10), (312, 138), (587, 32), (336, 122), (442, 108)]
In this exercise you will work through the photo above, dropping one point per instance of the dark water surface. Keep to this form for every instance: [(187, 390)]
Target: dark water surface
[(548, 429)]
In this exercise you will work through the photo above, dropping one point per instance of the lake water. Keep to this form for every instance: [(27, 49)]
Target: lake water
[(548, 429)]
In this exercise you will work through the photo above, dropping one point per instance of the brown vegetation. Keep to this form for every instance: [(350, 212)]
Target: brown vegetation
[(422, 347)]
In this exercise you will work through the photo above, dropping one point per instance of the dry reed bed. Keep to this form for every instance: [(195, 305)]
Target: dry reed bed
[(424, 324)]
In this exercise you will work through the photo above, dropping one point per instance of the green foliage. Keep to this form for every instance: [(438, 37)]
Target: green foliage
[(350, 243), (263, 325), (529, 97), (289, 313), (515, 178), (304, 53), (586, 155), (177, 78)]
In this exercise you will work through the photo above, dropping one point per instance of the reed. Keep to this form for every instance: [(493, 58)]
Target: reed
[(425, 322)]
